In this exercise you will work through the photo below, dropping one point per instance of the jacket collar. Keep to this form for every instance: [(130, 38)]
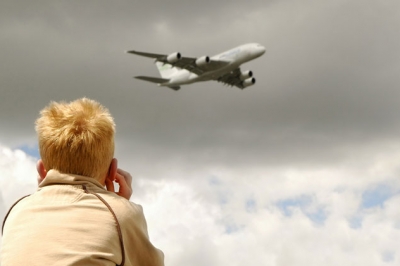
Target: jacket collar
[(54, 177)]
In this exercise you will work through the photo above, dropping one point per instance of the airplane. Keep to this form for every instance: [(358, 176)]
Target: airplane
[(176, 70)]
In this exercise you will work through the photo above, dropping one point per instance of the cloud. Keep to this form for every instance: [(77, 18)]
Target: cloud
[(378, 195), (17, 177), (300, 169), (327, 81), (280, 216), (301, 216), (2, 207), (18, 174)]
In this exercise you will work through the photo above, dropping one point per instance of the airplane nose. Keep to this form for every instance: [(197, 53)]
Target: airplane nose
[(258, 50), (262, 50)]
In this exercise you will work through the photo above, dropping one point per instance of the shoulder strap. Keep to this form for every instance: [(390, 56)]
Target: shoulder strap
[(9, 210), (121, 241)]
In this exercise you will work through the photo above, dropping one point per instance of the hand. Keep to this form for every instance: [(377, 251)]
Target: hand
[(124, 180)]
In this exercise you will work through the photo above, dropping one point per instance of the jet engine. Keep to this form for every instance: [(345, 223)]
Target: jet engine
[(248, 82), (246, 74), (174, 57), (202, 61)]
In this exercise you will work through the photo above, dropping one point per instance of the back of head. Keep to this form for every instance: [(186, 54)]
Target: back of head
[(76, 137)]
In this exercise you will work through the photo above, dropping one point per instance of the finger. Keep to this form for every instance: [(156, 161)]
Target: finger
[(126, 175), (120, 179), (125, 190)]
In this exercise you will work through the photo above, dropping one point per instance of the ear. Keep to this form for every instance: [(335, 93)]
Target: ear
[(112, 170), (41, 170)]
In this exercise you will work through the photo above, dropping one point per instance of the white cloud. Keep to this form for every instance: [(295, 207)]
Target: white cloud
[(2, 207), (226, 217), (282, 216), (17, 177)]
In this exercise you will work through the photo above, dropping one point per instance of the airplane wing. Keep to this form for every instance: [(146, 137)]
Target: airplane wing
[(188, 63), (232, 79), (151, 55)]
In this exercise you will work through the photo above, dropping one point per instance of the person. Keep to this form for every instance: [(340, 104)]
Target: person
[(76, 217)]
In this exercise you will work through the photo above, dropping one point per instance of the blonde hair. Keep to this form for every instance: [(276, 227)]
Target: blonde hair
[(76, 138)]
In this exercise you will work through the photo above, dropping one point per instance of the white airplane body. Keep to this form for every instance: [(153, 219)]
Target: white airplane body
[(176, 70)]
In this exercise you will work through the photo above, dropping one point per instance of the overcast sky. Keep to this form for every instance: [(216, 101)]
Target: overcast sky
[(300, 169)]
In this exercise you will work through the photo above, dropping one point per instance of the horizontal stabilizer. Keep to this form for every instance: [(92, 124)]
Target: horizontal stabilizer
[(153, 79)]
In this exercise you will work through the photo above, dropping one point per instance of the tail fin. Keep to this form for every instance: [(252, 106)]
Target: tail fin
[(166, 70)]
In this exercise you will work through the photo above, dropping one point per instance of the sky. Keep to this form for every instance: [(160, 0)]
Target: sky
[(303, 168)]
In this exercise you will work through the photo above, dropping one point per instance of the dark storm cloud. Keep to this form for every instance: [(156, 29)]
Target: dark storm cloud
[(328, 87), (327, 83)]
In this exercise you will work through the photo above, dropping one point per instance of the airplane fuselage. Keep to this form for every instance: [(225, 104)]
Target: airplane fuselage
[(235, 57)]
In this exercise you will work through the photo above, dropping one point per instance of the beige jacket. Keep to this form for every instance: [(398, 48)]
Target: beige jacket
[(64, 223)]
